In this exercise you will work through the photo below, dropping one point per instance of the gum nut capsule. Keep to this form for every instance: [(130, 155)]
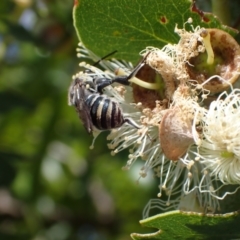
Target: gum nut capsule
[(226, 62), (175, 132)]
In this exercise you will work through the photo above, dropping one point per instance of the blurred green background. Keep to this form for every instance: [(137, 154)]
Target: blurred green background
[(51, 185)]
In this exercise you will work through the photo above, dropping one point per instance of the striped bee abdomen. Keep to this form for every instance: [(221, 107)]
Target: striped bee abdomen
[(105, 113)]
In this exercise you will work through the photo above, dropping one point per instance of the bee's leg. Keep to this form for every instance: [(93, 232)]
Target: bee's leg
[(101, 83), (131, 122), (122, 80), (125, 79), (135, 125)]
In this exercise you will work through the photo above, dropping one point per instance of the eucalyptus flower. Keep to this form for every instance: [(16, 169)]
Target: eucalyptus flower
[(186, 137), (220, 148)]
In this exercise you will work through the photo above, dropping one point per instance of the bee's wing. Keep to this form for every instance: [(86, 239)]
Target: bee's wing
[(83, 110)]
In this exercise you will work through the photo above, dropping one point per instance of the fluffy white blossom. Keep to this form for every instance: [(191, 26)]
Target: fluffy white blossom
[(220, 147)]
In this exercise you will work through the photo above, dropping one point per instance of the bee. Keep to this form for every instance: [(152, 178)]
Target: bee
[(93, 107)]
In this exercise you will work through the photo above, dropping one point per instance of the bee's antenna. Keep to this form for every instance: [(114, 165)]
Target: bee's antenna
[(108, 55)]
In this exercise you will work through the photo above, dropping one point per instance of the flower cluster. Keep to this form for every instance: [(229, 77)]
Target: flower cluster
[(220, 147), (191, 135)]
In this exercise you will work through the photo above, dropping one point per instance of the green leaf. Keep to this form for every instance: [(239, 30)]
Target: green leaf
[(130, 26), (185, 225)]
